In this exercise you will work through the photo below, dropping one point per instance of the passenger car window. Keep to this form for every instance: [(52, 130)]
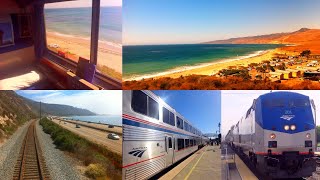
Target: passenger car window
[(170, 142), (68, 29), (139, 102), (153, 108), (179, 123)]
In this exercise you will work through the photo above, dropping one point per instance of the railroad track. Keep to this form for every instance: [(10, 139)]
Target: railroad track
[(30, 163)]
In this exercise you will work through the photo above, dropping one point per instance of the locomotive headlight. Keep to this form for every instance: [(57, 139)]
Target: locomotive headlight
[(293, 127), (286, 127), (308, 135), (273, 136)]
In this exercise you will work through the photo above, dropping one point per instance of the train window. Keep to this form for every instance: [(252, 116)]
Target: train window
[(191, 142), (170, 142), (109, 60), (299, 103), (194, 142), (171, 117), (180, 144), (179, 123), (187, 142), (68, 29), (168, 116), (139, 102), (153, 108)]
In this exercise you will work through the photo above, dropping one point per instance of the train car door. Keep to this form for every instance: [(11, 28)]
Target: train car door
[(169, 150)]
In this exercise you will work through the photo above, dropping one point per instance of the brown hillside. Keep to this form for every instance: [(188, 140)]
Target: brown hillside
[(303, 39)]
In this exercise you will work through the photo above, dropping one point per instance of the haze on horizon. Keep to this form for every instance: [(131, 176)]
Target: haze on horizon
[(187, 22), (82, 3)]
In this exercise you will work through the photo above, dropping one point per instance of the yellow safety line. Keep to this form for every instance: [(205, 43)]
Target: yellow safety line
[(194, 166)]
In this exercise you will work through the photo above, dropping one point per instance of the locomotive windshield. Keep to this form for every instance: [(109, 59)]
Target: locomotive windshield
[(299, 103), (286, 103), (276, 102)]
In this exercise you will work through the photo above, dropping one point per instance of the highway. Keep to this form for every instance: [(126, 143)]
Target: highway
[(94, 135)]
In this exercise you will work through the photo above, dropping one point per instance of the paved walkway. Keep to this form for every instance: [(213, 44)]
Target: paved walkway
[(203, 164)]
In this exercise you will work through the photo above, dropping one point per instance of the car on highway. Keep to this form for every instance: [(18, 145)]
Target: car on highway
[(111, 126), (77, 126), (113, 136)]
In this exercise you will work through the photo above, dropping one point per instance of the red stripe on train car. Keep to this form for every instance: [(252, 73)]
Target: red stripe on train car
[(142, 161)]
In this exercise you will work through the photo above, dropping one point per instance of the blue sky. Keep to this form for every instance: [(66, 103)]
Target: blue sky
[(101, 102), (201, 108), (194, 21)]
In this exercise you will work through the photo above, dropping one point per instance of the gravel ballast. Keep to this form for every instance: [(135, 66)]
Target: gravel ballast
[(60, 165), (9, 152)]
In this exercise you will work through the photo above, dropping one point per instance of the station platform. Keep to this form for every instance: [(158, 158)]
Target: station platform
[(203, 164), (233, 167)]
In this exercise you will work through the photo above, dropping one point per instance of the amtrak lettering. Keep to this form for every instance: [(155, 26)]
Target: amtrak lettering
[(287, 115), (138, 152)]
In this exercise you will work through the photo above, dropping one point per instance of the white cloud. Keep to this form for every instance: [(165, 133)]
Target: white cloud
[(101, 102), (234, 105)]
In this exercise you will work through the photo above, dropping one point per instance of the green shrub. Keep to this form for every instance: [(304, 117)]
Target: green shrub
[(89, 153), (95, 171)]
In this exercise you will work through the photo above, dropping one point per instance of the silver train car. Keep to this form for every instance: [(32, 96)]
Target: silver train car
[(155, 136), (278, 135)]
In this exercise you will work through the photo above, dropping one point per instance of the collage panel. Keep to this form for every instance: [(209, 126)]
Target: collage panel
[(61, 44), (60, 135), (171, 135), (270, 134), (221, 44)]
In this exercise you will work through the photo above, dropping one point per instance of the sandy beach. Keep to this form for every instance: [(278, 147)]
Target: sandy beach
[(109, 54), (215, 67)]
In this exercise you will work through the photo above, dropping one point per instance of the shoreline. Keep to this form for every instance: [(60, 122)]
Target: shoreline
[(211, 68), (108, 55)]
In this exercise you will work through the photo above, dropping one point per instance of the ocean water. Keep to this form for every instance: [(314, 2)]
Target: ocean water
[(77, 22), (104, 119), (148, 60)]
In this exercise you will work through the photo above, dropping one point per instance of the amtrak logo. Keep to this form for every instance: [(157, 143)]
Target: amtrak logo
[(137, 152), (287, 117)]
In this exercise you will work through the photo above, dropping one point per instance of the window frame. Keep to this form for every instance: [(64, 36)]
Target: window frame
[(180, 122), (147, 115), (99, 78), (169, 117)]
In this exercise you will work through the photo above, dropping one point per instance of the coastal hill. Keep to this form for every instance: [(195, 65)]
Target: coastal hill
[(15, 110), (57, 109), (302, 39)]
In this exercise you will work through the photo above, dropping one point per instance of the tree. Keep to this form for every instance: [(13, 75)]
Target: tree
[(305, 53)]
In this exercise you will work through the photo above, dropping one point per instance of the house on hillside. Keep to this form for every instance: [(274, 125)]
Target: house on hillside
[(286, 74), (295, 72)]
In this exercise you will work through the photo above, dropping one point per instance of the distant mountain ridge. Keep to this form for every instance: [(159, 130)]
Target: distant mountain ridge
[(275, 38), (303, 39), (57, 109)]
